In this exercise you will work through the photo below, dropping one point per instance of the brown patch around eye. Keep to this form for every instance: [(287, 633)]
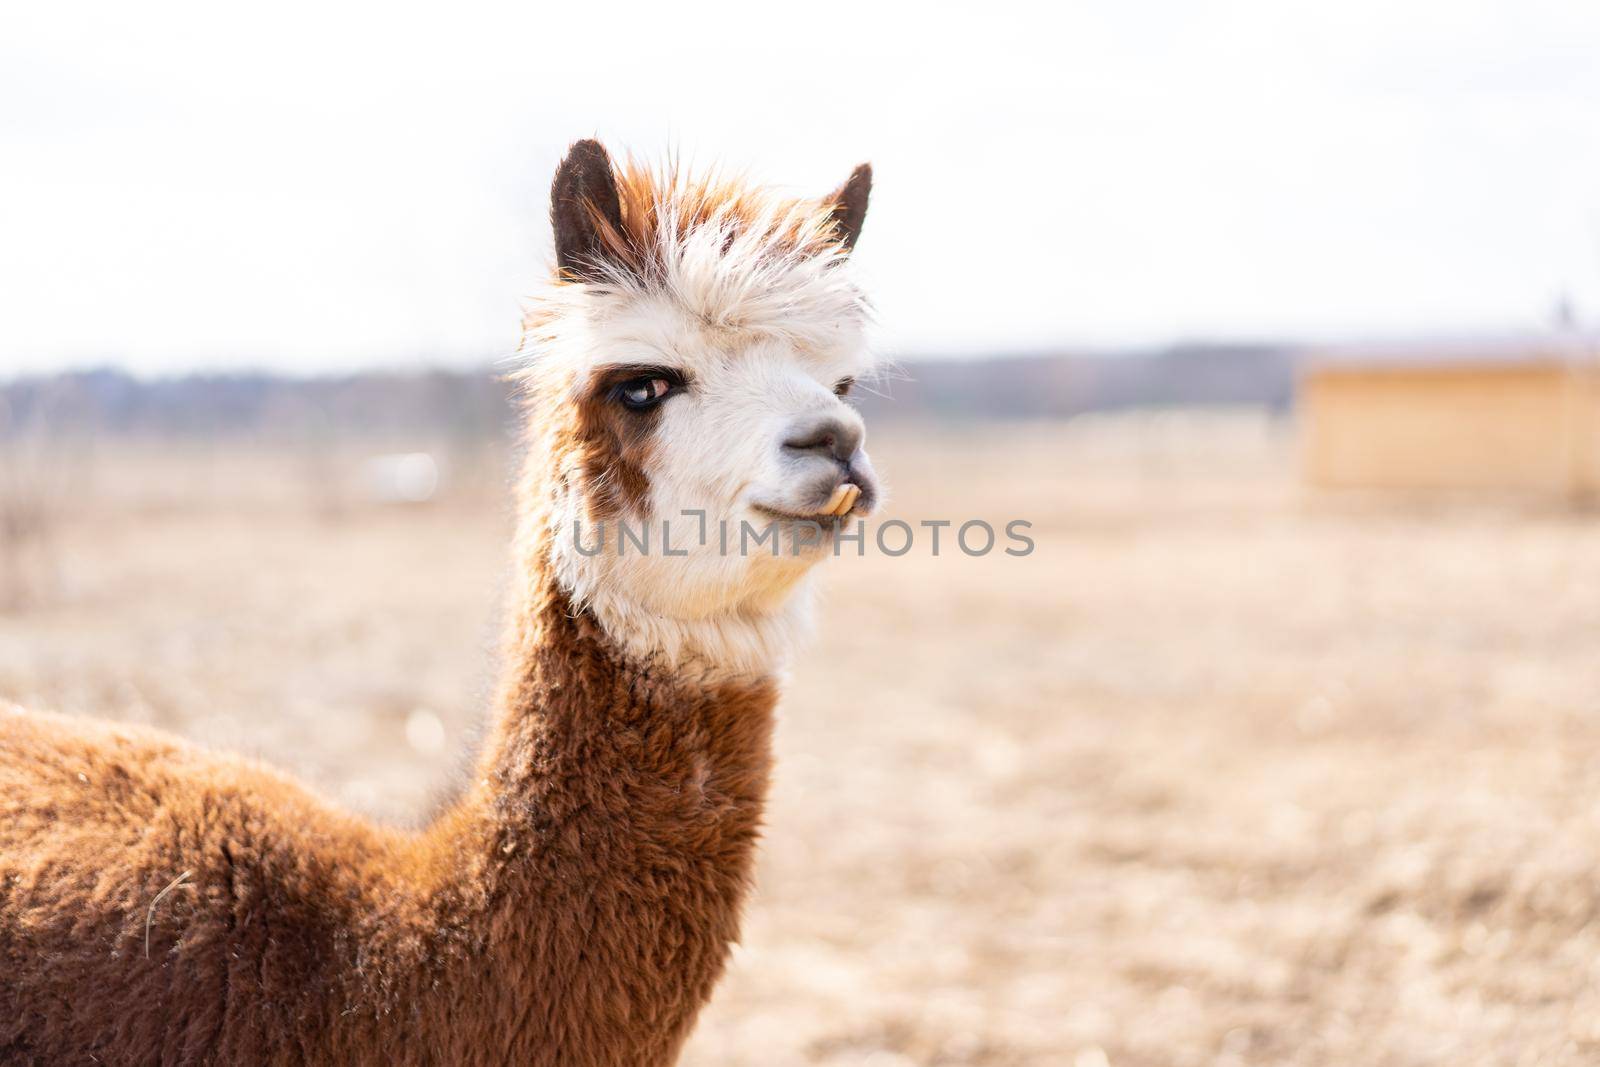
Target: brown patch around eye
[(843, 386), (614, 447)]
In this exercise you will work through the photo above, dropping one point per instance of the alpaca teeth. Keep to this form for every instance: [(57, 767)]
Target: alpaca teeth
[(839, 493), (847, 500)]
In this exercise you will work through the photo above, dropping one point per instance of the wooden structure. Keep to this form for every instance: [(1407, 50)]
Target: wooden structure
[(1492, 417)]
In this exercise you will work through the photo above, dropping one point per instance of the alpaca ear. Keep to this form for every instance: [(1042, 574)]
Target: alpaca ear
[(583, 197), (850, 205)]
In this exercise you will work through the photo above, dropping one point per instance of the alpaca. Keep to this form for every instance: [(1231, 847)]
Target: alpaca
[(163, 904)]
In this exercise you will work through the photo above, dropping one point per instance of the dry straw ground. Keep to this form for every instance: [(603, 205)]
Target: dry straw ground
[(1223, 773)]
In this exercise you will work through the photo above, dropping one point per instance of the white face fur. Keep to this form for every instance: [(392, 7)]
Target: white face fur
[(724, 376)]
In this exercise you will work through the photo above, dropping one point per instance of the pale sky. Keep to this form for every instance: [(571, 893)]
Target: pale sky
[(324, 186)]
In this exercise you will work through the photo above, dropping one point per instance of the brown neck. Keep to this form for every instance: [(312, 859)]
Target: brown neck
[(616, 813)]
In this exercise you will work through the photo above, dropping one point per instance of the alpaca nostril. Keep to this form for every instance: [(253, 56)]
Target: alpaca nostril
[(824, 441), (829, 437)]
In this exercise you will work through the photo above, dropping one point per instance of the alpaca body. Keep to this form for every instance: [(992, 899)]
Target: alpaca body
[(575, 907), (164, 905)]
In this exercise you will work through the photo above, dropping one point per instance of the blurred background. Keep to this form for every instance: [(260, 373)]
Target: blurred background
[(1274, 319)]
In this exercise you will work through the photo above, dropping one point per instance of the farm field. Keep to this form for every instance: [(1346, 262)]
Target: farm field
[(1225, 772)]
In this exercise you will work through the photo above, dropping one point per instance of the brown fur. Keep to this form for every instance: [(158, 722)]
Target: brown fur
[(613, 445), (574, 908)]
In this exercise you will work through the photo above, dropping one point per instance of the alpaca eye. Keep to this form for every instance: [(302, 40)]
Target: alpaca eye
[(641, 393), (842, 386)]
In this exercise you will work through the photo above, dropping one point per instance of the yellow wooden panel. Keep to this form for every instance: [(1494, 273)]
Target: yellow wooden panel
[(1460, 427)]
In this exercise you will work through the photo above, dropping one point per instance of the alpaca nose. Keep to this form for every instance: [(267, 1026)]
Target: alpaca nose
[(828, 436)]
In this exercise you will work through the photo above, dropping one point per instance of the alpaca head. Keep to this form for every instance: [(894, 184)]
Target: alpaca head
[(687, 369)]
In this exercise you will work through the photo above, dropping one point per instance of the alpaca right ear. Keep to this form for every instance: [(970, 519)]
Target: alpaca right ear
[(583, 197), (850, 205)]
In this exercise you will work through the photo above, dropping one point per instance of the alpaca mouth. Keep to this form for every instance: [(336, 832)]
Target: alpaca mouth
[(844, 497), (838, 505)]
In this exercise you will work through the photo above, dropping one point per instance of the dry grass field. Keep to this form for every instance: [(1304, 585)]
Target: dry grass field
[(1223, 773)]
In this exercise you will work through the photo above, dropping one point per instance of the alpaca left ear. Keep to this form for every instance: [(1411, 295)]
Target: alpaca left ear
[(583, 198), (850, 205)]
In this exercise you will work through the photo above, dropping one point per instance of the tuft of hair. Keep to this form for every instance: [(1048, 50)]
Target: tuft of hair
[(730, 253), (664, 206)]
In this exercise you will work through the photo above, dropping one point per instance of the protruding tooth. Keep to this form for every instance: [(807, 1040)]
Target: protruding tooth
[(852, 492), (832, 506)]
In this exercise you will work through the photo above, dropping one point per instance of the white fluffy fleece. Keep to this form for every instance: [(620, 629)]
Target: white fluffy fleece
[(762, 333)]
